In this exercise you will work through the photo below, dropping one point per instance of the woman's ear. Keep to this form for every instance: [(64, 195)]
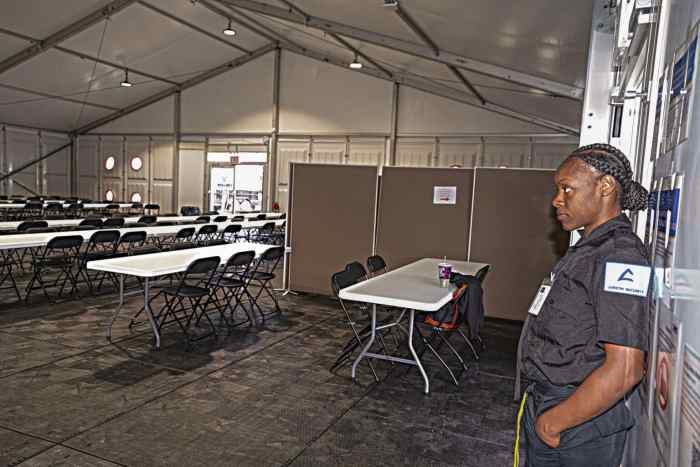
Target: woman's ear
[(608, 186)]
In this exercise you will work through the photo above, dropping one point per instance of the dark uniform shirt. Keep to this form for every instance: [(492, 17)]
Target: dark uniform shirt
[(599, 296)]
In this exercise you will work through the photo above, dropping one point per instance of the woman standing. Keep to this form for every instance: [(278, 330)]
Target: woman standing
[(584, 345)]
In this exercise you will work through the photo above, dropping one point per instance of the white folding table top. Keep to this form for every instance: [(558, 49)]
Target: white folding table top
[(171, 262), (33, 240), (414, 286)]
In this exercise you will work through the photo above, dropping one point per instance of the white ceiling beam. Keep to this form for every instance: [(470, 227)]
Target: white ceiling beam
[(200, 78), (192, 26), (441, 90), (427, 40), (67, 32), (57, 97), (85, 56), (340, 40), (417, 50)]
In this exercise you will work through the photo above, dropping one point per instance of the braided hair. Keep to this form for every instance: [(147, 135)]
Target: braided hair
[(611, 161)]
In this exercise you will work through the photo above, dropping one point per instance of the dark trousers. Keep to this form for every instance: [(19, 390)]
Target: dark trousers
[(598, 451)]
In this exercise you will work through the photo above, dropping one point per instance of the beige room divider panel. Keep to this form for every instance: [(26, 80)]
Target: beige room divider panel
[(412, 226), (515, 230), (331, 220)]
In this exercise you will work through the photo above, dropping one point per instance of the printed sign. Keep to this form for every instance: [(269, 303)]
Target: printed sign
[(445, 195)]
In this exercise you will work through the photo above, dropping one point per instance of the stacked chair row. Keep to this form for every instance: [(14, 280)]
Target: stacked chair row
[(225, 290), (61, 264)]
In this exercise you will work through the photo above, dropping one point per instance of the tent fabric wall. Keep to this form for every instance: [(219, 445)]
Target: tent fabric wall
[(411, 227), (237, 101), (514, 229), (333, 223), (317, 97)]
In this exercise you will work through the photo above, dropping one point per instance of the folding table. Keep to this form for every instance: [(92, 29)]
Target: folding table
[(414, 287), (165, 263)]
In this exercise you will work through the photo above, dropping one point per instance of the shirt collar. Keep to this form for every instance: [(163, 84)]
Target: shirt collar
[(619, 222)]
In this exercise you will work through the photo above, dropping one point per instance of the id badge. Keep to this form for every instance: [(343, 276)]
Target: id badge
[(542, 293)]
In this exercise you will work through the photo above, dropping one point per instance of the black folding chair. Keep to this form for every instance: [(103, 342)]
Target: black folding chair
[(238, 219), (262, 275), (229, 285), (232, 233), (7, 263), (357, 269), (60, 257), (441, 325), (190, 211), (265, 233), (182, 240), (206, 234), (27, 227), (152, 209), (147, 220), (339, 281), (102, 245), (95, 222), (193, 287), (113, 222), (202, 219), (220, 218), (376, 265), (261, 217)]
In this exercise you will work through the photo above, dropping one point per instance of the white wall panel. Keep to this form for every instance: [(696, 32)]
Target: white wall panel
[(424, 113), (327, 152), (113, 179), (56, 168), (237, 101), (156, 118), (137, 147), (88, 168), (548, 155), (22, 147), (512, 152), (161, 194), (191, 178), (162, 174), (317, 97), (287, 152), (414, 153), (367, 151), (465, 153)]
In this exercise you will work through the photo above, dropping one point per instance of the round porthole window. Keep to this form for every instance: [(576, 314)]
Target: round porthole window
[(109, 195), (110, 162), (136, 197), (136, 163)]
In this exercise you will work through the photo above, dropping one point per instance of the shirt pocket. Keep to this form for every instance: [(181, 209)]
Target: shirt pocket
[(570, 312)]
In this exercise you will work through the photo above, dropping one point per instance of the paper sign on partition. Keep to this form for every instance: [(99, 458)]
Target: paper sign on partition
[(445, 195)]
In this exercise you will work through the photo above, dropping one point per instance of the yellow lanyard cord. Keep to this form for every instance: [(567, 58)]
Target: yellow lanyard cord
[(521, 411)]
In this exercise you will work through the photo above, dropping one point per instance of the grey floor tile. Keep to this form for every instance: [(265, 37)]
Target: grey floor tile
[(20, 353), (15, 447), (61, 456)]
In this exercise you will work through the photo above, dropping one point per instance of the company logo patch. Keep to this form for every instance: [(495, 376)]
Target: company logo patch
[(629, 279), (627, 275)]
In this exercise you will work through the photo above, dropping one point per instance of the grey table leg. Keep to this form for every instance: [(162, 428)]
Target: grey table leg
[(147, 309), (367, 346), (413, 351), (119, 308)]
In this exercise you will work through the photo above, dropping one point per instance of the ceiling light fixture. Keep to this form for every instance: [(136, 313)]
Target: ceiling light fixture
[(229, 31), (126, 83), (355, 65)]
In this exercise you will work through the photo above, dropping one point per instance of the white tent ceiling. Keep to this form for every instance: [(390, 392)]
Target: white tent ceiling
[(170, 41)]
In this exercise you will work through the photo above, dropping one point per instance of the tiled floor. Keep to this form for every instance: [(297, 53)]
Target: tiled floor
[(259, 396)]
